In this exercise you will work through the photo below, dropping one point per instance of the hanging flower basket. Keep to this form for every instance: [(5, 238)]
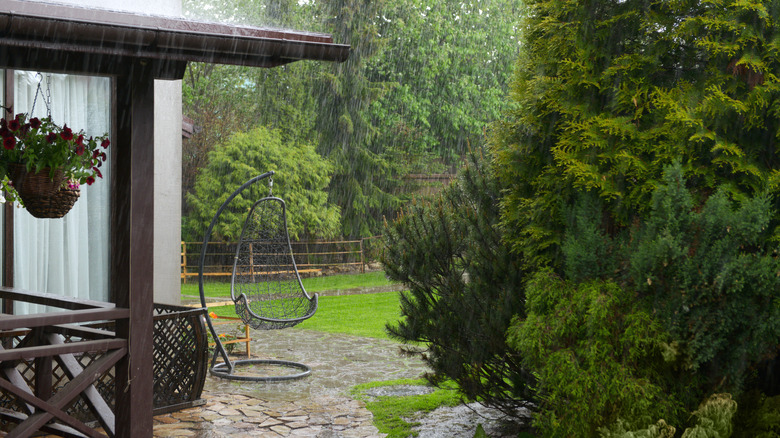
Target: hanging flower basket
[(52, 206), (31, 148)]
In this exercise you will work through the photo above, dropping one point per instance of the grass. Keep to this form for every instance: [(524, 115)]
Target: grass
[(215, 289), (394, 415), (359, 315)]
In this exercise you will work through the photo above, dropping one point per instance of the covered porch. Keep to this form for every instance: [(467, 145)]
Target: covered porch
[(133, 51)]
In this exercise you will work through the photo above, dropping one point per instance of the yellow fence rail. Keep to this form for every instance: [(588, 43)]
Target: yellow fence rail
[(311, 257)]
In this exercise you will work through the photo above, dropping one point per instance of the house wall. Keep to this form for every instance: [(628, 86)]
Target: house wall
[(167, 163)]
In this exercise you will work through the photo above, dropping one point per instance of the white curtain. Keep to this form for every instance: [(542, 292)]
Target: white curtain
[(68, 256)]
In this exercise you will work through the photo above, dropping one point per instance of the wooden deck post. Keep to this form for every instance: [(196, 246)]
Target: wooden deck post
[(133, 239)]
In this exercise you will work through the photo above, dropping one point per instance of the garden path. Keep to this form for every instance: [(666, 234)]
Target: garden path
[(316, 406)]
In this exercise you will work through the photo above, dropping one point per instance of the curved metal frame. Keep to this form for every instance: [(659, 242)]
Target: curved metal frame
[(225, 369)]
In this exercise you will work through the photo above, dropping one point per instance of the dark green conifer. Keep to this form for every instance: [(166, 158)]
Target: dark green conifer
[(464, 288)]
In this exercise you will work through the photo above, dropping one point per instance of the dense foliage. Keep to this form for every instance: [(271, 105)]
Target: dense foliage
[(640, 151), (300, 179), (608, 93), (597, 355), (423, 80), (696, 309), (464, 288)]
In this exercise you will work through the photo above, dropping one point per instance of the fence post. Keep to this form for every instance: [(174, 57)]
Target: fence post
[(252, 272), (362, 258), (184, 261)]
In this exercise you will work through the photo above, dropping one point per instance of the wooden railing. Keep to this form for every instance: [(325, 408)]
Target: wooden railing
[(40, 408)]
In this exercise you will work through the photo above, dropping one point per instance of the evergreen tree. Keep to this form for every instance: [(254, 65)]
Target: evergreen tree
[(608, 93), (364, 179), (464, 287)]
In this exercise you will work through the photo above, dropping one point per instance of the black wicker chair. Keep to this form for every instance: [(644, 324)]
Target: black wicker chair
[(265, 284)]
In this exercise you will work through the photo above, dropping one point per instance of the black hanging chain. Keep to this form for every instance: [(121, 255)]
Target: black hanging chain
[(46, 98)]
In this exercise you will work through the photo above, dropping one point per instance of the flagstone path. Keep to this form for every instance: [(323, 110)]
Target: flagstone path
[(316, 406)]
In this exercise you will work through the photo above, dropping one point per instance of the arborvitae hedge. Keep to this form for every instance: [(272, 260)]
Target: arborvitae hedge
[(607, 93)]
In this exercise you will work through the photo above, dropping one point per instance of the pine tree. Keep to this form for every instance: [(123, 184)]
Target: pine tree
[(464, 288), (363, 183)]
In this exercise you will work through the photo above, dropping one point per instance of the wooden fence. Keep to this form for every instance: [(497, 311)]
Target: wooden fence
[(311, 257)]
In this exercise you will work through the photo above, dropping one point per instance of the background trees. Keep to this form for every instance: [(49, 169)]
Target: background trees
[(301, 178), (422, 82)]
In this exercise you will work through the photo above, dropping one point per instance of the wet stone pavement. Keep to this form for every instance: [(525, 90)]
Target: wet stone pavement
[(318, 405)]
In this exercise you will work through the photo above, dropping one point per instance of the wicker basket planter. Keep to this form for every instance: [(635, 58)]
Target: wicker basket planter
[(43, 195), (53, 206), (35, 184)]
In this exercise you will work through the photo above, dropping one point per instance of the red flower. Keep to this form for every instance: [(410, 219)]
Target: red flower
[(80, 150), (95, 153), (51, 138), (67, 133), (105, 144), (35, 123), (90, 180), (97, 171), (9, 142), (103, 156), (80, 140), (14, 124), (5, 132)]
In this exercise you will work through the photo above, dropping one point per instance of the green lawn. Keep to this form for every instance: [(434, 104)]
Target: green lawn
[(216, 289), (360, 315)]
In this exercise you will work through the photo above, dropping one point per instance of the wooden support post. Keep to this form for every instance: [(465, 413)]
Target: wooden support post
[(133, 252), (8, 215), (362, 258)]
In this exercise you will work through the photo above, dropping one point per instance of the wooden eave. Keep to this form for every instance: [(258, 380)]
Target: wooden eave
[(101, 41)]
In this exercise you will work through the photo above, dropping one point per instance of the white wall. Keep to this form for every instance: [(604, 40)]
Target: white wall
[(167, 160), (167, 197)]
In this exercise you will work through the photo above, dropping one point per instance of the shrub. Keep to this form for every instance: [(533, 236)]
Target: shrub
[(713, 420), (758, 416), (710, 275), (464, 287), (597, 355)]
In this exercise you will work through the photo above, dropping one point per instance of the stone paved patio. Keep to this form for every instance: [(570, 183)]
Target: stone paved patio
[(316, 406)]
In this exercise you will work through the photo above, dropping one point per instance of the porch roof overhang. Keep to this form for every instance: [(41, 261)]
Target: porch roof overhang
[(99, 41)]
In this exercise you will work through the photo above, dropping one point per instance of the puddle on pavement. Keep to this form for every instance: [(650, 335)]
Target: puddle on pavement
[(338, 363)]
